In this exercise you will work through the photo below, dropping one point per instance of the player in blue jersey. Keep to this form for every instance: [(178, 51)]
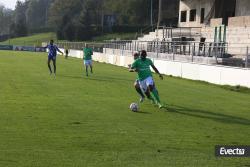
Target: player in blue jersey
[(52, 55)]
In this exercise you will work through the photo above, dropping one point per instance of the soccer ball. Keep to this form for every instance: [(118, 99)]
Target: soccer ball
[(134, 107)]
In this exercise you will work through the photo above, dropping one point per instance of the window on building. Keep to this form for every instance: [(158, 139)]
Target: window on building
[(202, 15), (192, 15), (183, 16)]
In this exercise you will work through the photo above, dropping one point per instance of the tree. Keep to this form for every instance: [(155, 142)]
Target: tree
[(6, 19), (37, 14), (131, 12), (77, 19), (84, 29), (20, 24), (60, 8)]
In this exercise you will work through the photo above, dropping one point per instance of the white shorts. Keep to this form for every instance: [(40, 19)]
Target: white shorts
[(145, 83), (88, 62)]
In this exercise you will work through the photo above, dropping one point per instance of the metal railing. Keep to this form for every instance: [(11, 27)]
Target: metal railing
[(204, 49), (179, 32), (97, 47), (199, 52), (190, 33)]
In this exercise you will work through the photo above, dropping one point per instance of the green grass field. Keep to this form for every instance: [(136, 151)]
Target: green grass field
[(31, 40), (78, 121), (37, 39)]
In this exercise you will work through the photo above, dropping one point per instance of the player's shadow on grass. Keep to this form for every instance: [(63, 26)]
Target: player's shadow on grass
[(69, 76), (83, 77), (96, 78), (109, 79), (216, 116), (143, 112)]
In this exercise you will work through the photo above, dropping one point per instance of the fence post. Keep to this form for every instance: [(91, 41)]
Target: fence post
[(246, 65), (194, 49), (204, 51), (173, 50), (216, 53), (157, 49), (189, 48), (132, 47), (168, 47), (193, 52), (209, 50), (171, 33)]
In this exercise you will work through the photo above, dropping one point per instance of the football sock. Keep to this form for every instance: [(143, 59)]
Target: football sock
[(156, 96), (151, 99)]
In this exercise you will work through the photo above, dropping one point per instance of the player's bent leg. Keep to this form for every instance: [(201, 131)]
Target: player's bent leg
[(154, 93), (144, 87), (149, 96), (139, 91), (91, 69), (151, 86), (91, 66), (86, 70), (54, 65), (86, 63), (49, 66)]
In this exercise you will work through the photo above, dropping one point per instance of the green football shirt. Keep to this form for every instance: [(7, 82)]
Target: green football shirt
[(143, 68), (87, 54)]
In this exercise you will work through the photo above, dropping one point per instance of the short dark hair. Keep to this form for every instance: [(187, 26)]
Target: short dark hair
[(143, 53), (136, 54)]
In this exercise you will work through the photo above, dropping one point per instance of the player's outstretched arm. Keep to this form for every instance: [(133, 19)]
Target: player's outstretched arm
[(157, 71), (59, 50), (132, 69)]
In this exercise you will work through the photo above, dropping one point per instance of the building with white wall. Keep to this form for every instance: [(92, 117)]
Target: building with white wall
[(198, 13)]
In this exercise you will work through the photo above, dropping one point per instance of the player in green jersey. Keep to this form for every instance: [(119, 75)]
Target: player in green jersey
[(142, 67), (136, 83), (87, 58)]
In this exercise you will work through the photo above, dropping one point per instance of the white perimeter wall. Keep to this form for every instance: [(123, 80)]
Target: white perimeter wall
[(220, 75)]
